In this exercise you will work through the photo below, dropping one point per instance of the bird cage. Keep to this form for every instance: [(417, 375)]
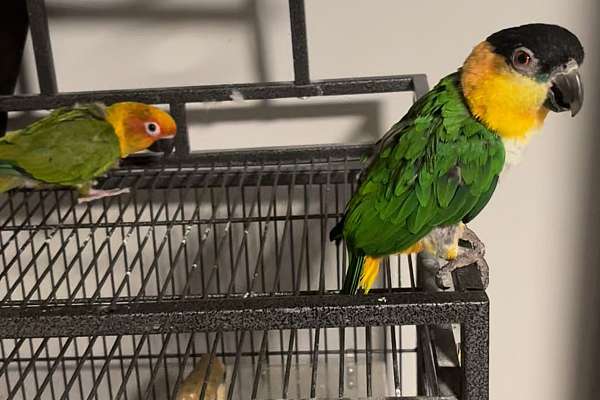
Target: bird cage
[(220, 253)]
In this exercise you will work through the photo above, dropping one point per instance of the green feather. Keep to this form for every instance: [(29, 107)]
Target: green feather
[(435, 167), (69, 147)]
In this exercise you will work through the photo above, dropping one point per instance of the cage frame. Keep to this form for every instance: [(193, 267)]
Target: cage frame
[(468, 306)]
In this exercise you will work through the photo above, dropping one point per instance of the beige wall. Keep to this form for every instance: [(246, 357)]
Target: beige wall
[(536, 227)]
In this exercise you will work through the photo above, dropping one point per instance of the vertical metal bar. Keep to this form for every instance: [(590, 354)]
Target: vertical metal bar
[(107, 360), (475, 344), (288, 364), (151, 384), (52, 368), (369, 361), (342, 356), (315, 364), (258, 372), (236, 365), (77, 371), (23, 374), (299, 42), (40, 37), (182, 138), (182, 364), (209, 364), (132, 364), (396, 371)]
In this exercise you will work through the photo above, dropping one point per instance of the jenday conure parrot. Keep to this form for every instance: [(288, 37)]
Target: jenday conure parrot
[(436, 169), (74, 145)]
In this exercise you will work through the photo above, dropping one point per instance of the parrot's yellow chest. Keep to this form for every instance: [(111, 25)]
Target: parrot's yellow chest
[(508, 103)]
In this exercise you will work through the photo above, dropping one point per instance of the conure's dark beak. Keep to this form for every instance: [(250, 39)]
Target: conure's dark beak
[(566, 90)]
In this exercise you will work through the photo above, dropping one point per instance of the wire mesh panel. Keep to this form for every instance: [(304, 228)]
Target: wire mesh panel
[(240, 249), (376, 362)]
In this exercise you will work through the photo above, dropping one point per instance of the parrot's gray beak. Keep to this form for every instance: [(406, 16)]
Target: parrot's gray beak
[(566, 90)]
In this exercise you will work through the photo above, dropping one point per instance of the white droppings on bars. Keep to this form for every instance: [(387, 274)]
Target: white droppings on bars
[(194, 266), (236, 96), (245, 231), (227, 226), (382, 300), (398, 392), (319, 90)]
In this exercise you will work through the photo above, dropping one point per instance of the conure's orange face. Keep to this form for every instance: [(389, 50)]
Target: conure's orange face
[(139, 125)]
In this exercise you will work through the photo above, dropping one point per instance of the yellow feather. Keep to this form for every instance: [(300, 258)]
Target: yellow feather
[(509, 103), (369, 273)]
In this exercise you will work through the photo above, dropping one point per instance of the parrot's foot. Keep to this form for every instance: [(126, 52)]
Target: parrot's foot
[(95, 194), (473, 254)]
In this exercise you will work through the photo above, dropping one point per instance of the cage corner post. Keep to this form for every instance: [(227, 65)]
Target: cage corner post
[(475, 343)]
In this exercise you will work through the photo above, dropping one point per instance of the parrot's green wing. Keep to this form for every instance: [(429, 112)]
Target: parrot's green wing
[(69, 147), (438, 166)]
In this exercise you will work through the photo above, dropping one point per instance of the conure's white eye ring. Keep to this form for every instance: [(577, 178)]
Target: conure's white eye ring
[(152, 128)]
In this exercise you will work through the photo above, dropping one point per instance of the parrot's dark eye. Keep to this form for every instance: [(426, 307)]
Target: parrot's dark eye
[(522, 59), (152, 128)]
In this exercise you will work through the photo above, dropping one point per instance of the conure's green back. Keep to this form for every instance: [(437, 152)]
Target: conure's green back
[(436, 167), (69, 147)]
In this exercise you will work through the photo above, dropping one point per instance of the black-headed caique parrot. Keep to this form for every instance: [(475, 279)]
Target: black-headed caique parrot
[(437, 168), (74, 145)]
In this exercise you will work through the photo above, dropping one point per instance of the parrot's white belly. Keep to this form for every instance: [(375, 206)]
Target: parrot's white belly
[(443, 241)]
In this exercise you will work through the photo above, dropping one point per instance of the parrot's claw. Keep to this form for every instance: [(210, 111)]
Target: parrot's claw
[(473, 254), (95, 194)]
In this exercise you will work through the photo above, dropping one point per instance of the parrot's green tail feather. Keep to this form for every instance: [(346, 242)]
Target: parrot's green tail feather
[(10, 177), (353, 274), (10, 182), (337, 232)]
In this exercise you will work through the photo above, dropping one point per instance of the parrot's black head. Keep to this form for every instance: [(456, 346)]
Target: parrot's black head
[(514, 77), (549, 54)]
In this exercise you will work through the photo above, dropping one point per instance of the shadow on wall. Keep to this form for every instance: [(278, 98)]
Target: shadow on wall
[(584, 366)]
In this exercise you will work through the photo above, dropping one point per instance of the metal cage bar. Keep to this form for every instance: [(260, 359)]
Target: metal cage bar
[(50, 227)]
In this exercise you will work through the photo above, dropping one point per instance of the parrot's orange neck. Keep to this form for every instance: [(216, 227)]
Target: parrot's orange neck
[(507, 102)]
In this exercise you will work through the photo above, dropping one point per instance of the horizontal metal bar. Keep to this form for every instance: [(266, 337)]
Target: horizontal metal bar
[(252, 313), (198, 94), (167, 355), (150, 223), (255, 156)]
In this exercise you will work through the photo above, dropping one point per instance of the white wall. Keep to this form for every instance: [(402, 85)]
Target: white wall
[(535, 226)]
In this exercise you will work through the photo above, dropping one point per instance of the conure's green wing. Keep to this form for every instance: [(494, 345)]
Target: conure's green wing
[(436, 167), (71, 146)]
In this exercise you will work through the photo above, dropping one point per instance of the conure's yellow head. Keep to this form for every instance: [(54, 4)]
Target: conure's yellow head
[(512, 79), (139, 125)]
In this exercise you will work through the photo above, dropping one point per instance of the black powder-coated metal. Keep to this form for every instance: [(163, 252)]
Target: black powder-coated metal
[(40, 37), (240, 313), (299, 42), (208, 93), (220, 252)]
